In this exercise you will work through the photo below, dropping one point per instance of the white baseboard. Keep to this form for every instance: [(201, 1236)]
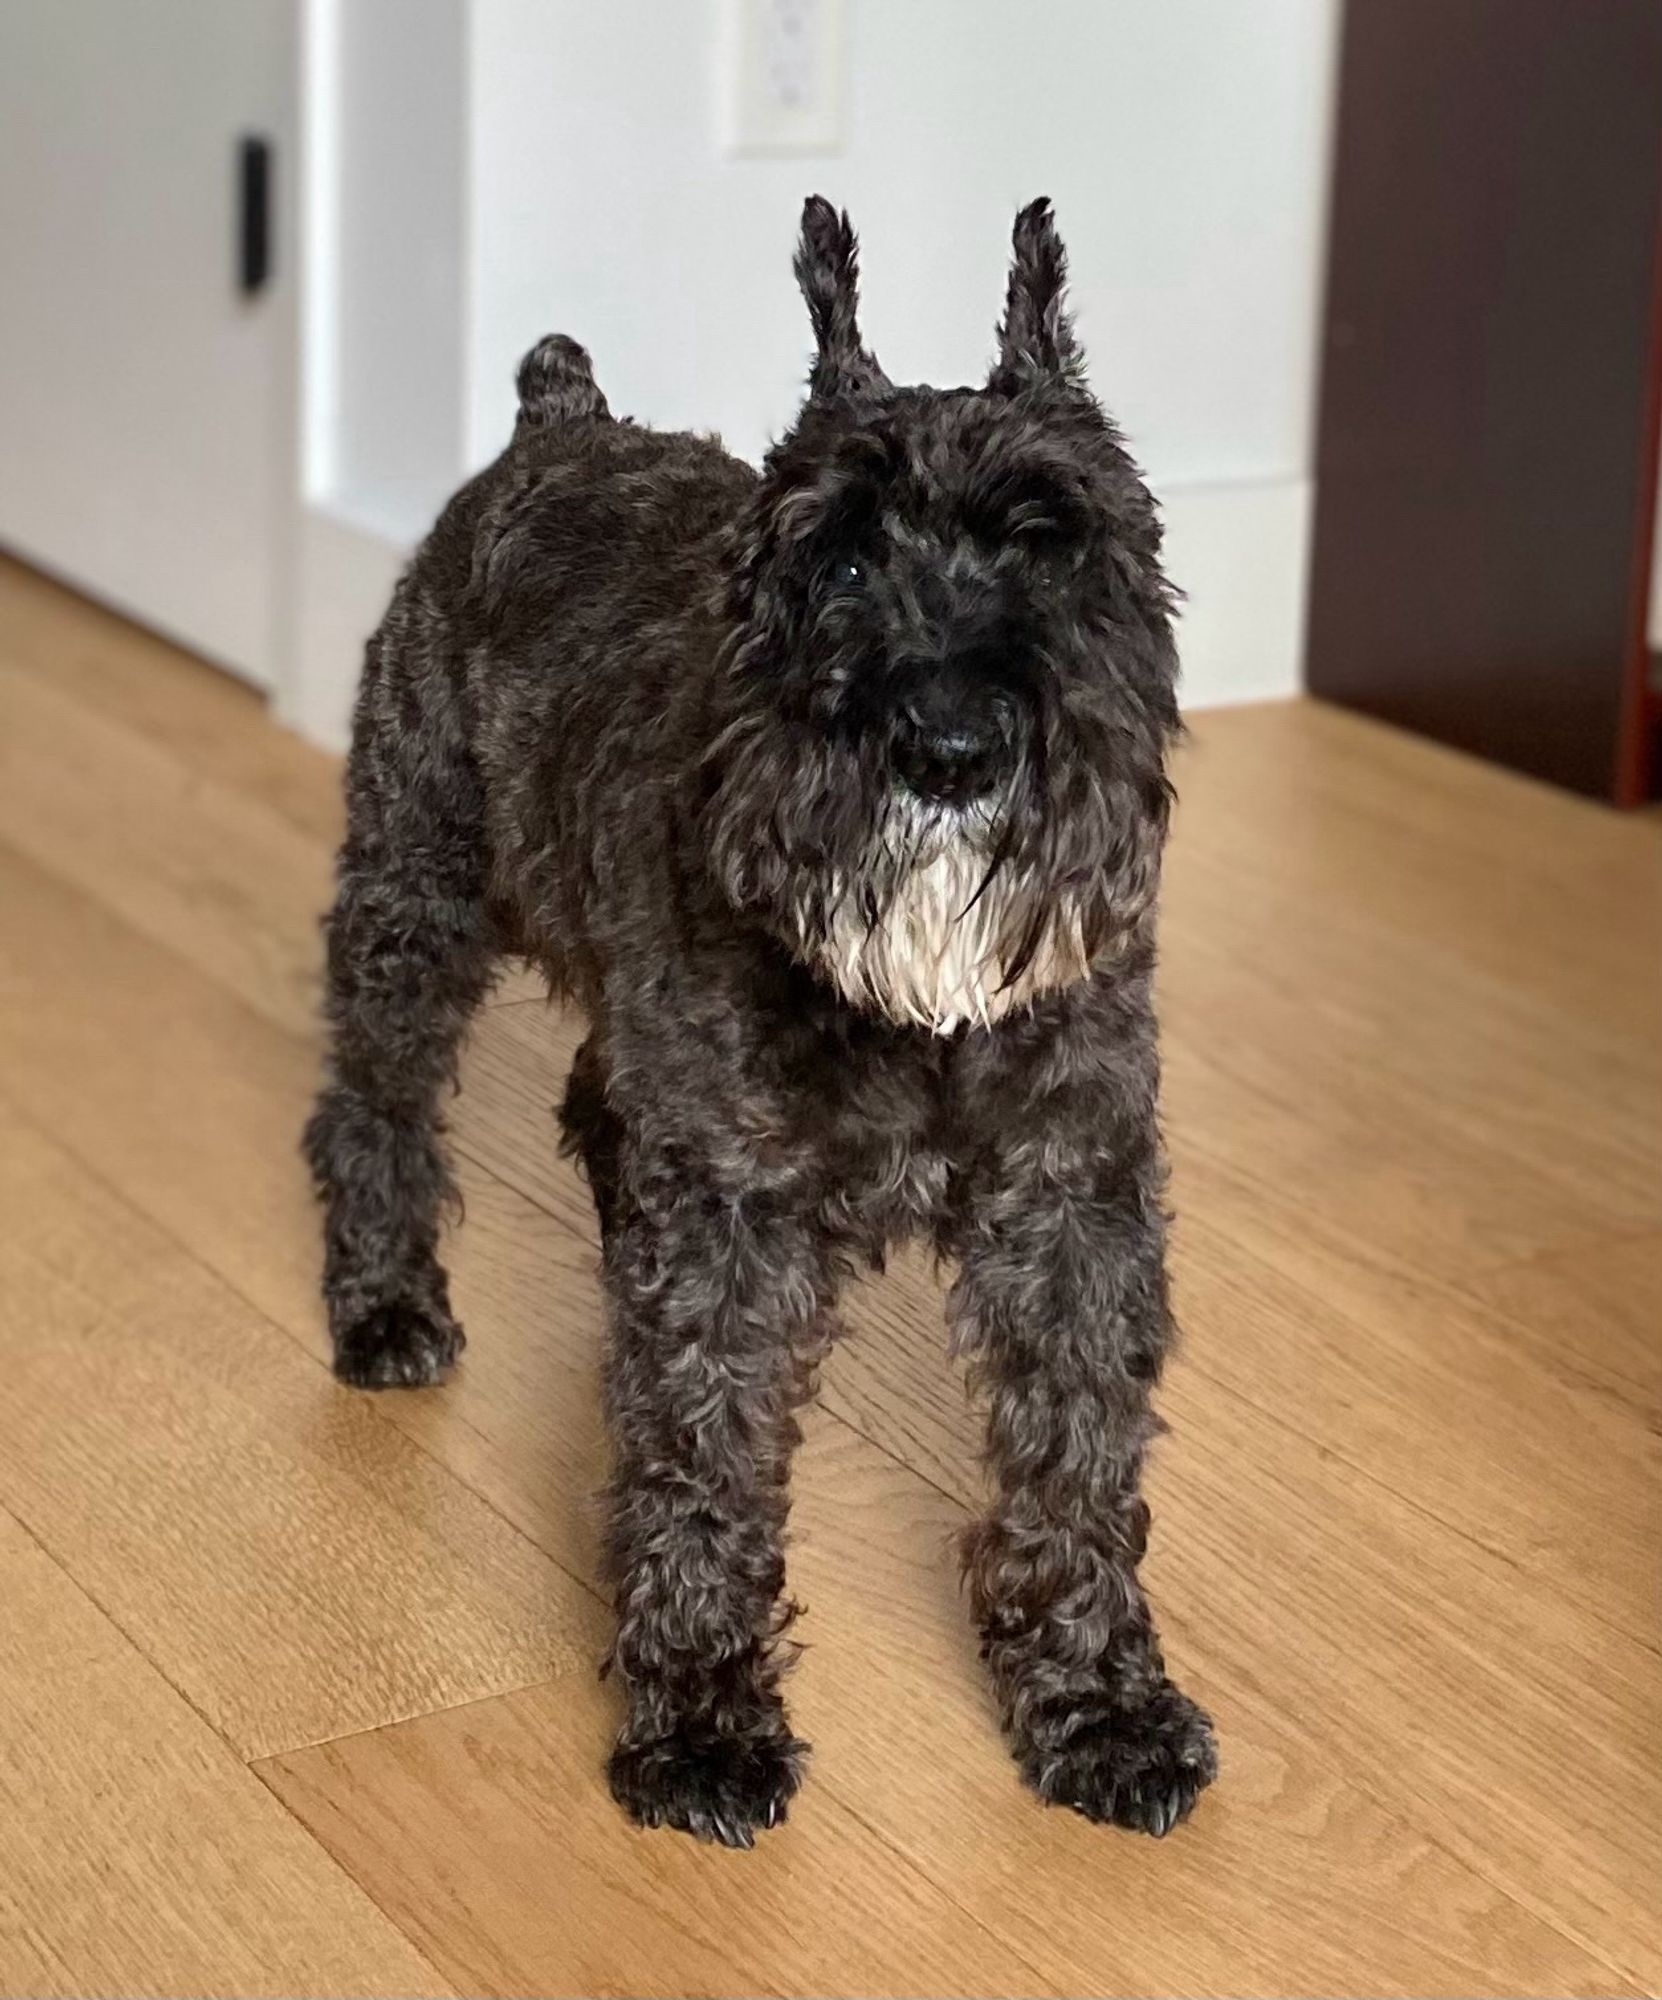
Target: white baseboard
[(1241, 554), (344, 576)]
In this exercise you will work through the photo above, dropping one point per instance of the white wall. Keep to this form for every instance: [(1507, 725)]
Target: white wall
[(1181, 140), (1184, 143), (385, 197), (383, 319)]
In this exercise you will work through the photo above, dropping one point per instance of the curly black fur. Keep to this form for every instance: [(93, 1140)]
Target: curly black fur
[(835, 796)]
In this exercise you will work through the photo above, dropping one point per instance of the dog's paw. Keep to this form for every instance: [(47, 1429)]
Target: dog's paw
[(721, 1788), (1139, 1766), (398, 1347)]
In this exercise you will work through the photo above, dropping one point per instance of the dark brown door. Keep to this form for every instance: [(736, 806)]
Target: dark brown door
[(1485, 446)]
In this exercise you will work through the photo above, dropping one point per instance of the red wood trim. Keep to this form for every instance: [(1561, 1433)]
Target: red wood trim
[(1641, 703)]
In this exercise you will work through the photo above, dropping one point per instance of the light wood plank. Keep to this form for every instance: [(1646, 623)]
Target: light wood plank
[(1287, 1844), (893, 1380), (543, 1887), (1396, 1377), (1593, 1313), (513, 1076), (207, 722), (1336, 815), (1420, 1388), (1399, 1177), (136, 1854), (278, 1547), (201, 1138), (216, 876), (907, 1763), (212, 831), (1414, 1053), (185, 1100), (1463, 1135), (1461, 1692)]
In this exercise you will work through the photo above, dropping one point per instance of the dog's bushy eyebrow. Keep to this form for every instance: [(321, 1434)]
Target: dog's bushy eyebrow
[(1026, 499), (844, 496)]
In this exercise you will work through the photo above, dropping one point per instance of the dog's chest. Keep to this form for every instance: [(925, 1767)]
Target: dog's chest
[(936, 951), (871, 1129), (887, 1194)]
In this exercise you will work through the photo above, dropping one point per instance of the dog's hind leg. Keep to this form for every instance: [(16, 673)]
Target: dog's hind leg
[(591, 1132), (410, 952)]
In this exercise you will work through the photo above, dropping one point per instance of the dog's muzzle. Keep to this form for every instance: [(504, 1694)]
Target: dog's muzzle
[(951, 739)]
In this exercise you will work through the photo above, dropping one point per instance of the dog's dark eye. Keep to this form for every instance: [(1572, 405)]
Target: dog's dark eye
[(847, 574)]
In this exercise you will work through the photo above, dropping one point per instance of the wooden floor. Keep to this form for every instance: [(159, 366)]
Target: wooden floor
[(297, 1687)]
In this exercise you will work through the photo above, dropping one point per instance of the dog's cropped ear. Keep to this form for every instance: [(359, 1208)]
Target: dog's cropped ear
[(1036, 345), (827, 269)]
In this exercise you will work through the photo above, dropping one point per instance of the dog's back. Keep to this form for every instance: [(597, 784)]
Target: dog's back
[(553, 621), (582, 510), (595, 522)]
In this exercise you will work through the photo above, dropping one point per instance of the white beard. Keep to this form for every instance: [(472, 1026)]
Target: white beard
[(938, 955)]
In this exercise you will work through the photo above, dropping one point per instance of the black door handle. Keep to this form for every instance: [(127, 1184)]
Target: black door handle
[(253, 214)]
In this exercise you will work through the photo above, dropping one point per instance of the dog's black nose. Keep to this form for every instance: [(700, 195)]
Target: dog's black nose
[(951, 754)]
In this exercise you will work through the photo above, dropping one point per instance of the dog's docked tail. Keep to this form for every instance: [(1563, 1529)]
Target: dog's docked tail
[(556, 384)]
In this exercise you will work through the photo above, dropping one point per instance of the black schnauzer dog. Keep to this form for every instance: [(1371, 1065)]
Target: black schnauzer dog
[(835, 797)]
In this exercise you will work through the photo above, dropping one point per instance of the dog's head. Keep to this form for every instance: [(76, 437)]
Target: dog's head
[(939, 768)]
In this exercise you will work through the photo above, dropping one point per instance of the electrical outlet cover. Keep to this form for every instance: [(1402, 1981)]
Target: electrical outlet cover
[(784, 75)]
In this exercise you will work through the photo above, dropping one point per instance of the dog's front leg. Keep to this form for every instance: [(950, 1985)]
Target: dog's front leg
[(1062, 1301), (717, 1303)]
